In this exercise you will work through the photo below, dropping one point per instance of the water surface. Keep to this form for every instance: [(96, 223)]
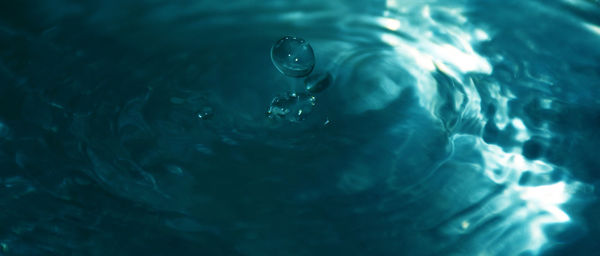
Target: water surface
[(450, 128)]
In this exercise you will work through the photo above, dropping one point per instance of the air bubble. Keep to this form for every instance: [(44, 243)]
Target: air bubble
[(205, 113), (293, 56)]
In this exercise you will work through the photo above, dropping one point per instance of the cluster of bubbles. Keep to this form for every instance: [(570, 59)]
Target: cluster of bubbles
[(292, 106), (294, 57)]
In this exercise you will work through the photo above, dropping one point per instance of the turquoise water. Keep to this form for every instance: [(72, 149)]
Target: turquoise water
[(163, 128)]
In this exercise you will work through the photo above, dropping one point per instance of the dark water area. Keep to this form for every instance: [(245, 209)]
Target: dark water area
[(163, 128)]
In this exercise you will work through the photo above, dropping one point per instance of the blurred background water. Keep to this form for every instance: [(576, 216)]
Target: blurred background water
[(456, 127)]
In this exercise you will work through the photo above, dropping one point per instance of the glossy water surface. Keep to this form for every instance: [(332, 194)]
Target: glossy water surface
[(156, 127)]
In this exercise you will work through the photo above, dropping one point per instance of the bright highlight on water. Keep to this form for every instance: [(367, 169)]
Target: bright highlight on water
[(277, 127)]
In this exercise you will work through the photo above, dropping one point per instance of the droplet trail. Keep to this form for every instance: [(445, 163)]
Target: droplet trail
[(318, 82)]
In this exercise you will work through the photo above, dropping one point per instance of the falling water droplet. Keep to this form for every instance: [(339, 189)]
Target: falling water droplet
[(318, 82), (293, 56)]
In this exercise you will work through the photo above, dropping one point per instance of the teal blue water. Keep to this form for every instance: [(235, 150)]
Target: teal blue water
[(156, 127)]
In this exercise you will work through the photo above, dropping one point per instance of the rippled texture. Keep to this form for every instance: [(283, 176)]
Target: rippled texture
[(450, 128)]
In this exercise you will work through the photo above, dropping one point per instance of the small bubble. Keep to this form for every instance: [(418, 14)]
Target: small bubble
[(318, 82), (293, 56), (205, 113), (465, 224)]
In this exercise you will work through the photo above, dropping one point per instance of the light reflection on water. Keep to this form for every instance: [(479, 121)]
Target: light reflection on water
[(454, 56), (418, 148)]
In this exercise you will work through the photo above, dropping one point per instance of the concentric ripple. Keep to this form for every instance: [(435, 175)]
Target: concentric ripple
[(426, 128)]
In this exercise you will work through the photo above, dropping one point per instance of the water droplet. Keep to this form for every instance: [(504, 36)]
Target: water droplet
[(292, 106), (205, 113), (293, 56), (318, 82)]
